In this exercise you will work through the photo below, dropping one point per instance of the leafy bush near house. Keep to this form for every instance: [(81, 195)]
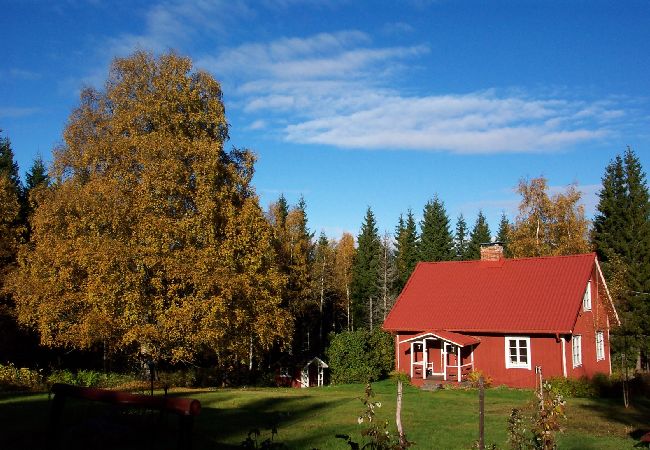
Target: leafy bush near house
[(600, 385), (12, 378), (360, 356), (571, 387), (475, 375), (91, 378)]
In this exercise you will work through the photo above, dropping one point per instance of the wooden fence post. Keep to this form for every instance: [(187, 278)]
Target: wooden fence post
[(398, 413), (481, 414)]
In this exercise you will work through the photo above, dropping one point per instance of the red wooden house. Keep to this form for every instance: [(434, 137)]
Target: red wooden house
[(504, 317)]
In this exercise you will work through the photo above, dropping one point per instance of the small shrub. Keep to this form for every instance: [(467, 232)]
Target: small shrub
[(62, 376), (12, 378), (360, 356), (571, 387), (537, 431), (475, 375), (88, 378), (93, 378)]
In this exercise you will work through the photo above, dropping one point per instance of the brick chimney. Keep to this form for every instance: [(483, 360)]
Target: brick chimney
[(491, 251)]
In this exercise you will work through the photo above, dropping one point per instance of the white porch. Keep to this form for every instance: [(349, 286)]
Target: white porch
[(441, 355)]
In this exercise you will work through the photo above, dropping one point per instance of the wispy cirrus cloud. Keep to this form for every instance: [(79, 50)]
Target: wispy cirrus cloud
[(12, 112), (340, 90), (472, 123), (16, 73)]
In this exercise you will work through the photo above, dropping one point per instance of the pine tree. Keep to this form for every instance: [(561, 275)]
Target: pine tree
[(8, 166), (460, 239), (406, 250), (503, 235), (621, 236), (37, 175), (480, 235), (436, 241), (366, 272)]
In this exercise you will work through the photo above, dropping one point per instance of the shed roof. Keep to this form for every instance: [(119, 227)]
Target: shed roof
[(526, 295)]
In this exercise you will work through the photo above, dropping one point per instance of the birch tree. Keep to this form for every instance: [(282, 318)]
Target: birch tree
[(150, 239)]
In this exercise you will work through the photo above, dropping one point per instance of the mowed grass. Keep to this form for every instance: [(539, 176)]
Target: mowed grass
[(310, 418)]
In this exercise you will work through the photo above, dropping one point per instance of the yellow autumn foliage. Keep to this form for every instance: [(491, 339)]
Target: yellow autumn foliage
[(548, 225), (151, 239)]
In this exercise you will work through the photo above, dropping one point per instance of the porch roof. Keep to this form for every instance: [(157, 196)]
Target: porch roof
[(458, 339)]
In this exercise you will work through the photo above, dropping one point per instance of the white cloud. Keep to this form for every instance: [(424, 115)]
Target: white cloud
[(473, 123), (258, 125), (338, 89), (176, 23), (19, 74), (14, 112)]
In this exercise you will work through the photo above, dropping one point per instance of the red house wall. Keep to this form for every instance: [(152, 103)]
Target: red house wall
[(490, 358), (587, 324)]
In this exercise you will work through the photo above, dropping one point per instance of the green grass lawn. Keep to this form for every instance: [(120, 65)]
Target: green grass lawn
[(310, 418)]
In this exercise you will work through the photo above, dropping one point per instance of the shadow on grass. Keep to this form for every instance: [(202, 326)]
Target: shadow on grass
[(636, 418), (96, 426)]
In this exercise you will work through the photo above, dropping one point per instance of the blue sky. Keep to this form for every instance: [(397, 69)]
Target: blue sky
[(354, 104)]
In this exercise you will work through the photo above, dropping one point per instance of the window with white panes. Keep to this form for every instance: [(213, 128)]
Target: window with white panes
[(517, 352), (577, 350), (586, 298), (600, 346)]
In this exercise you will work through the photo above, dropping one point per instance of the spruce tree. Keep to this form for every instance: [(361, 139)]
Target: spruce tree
[(480, 235), (621, 236), (503, 235), (37, 175), (366, 272), (8, 166), (406, 250), (460, 239), (11, 232), (436, 241)]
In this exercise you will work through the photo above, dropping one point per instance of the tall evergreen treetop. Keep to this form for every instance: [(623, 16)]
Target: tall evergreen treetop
[(37, 175), (503, 235), (436, 241), (366, 270), (8, 166), (406, 249), (460, 239), (480, 235)]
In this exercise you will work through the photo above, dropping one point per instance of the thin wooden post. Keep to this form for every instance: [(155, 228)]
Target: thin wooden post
[(398, 413), (626, 395), (481, 414)]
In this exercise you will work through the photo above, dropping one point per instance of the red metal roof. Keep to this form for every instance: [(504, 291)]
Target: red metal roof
[(527, 295), (460, 340)]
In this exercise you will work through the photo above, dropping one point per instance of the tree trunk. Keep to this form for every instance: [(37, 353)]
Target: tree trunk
[(347, 295)]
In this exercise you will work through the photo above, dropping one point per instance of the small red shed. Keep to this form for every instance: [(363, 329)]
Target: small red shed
[(504, 317)]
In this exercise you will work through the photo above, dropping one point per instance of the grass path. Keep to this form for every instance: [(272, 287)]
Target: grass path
[(310, 418)]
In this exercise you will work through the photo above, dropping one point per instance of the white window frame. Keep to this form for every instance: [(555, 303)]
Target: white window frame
[(576, 350), (517, 365), (600, 345), (586, 298)]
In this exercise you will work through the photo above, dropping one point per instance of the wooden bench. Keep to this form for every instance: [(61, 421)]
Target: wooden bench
[(185, 408)]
